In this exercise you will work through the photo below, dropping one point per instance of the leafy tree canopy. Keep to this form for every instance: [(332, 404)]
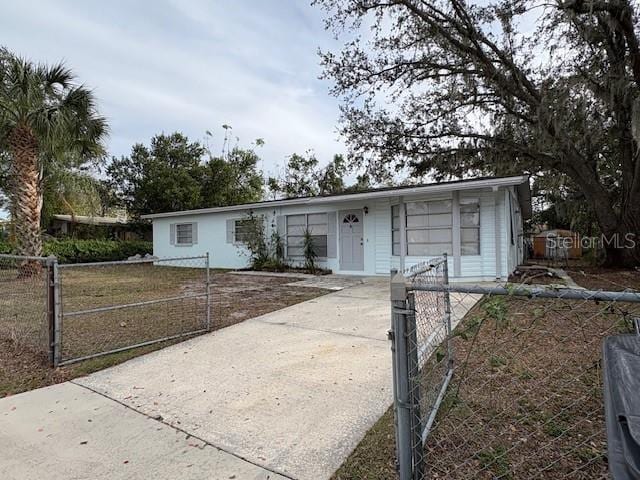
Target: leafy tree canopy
[(175, 173), (451, 88), (304, 177), (48, 124)]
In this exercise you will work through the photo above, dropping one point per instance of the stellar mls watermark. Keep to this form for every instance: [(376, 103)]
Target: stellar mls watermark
[(616, 241)]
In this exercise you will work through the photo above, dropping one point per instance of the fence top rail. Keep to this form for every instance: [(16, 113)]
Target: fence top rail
[(423, 267), (132, 262), (533, 292), (25, 257)]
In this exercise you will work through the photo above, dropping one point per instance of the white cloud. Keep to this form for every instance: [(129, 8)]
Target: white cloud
[(190, 66)]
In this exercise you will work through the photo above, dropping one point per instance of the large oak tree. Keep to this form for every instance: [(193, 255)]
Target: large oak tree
[(449, 88)]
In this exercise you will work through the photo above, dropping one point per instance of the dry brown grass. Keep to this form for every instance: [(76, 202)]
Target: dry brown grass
[(22, 316), (526, 397)]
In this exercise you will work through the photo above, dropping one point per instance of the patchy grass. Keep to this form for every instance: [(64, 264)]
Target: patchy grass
[(374, 458), (525, 400), (23, 363)]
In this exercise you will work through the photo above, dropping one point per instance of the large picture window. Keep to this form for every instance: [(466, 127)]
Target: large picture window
[(317, 225), (469, 227), (428, 228)]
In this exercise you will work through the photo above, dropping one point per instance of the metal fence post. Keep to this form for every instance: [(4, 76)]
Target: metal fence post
[(414, 387), (447, 312), (402, 398), (391, 337), (56, 343), (208, 294), (51, 309)]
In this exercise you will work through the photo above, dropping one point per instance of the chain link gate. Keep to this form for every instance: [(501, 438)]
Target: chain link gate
[(109, 307), (421, 327), (500, 381)]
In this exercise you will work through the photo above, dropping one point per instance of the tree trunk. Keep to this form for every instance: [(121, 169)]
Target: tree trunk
[(623, 245), (26, 195), (620, 235)]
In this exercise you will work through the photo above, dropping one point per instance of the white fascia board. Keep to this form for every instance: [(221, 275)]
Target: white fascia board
[(402, 191)]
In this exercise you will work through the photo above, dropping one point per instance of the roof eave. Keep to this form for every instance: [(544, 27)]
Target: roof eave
[(403, 191)]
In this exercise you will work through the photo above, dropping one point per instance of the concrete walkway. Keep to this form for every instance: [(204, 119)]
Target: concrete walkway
[(285, 395)]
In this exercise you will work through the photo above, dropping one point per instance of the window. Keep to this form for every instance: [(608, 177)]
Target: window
[(242, 230), (470, 227), (317, 225), (428, 228), (513, 219), (395, 230), (184, 234)]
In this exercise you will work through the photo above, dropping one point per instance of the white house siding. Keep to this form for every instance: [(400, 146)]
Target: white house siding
[(212, 235), (369, 231), (212, 238), (382, 216), (378, 260), (516, 251), (472, 267), (483, 266)]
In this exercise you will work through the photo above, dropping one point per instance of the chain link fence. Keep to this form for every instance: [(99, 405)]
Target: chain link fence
[(25, 304), (501, 381), (108, 307), (72, 312)]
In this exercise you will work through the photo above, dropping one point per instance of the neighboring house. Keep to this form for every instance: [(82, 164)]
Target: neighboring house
[(478, 222), (557, 244), (82, 226)]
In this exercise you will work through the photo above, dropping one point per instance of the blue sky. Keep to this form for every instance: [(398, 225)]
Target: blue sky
[(191, 65)]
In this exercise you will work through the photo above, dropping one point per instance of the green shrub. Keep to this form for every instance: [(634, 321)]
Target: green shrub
[(5, 247), (310, 254), (83, 251)]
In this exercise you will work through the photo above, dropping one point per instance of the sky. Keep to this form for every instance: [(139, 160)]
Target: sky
[(191, 66)]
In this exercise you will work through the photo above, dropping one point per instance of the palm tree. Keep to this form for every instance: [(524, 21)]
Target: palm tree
[(45, 118)]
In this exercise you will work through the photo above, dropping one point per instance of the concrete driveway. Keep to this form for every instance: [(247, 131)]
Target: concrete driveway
[(285, 395)]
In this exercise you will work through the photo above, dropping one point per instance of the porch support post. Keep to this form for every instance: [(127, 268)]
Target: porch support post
[(457, 249), (403, 233), (498, 234)]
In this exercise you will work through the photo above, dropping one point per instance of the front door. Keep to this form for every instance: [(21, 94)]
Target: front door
[(351, 240)]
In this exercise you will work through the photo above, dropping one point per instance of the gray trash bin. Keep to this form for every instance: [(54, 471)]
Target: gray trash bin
[(621, 366)]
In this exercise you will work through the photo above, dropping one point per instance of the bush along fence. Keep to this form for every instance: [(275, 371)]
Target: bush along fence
[(74, 312), (501, 381), (82, 251)]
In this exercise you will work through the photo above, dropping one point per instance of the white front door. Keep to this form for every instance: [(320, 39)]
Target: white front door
[(351, 240)]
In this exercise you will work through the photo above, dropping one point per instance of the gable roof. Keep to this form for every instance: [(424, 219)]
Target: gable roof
[(520, 181)]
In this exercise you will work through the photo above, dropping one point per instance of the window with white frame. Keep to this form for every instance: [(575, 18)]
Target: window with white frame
[(297, 225), (184, 233), (242, 230), (469, 227), (428, 228)]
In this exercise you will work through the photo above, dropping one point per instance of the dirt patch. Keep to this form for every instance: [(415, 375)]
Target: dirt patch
[(612, 279), (239, 297), (234, 299)]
